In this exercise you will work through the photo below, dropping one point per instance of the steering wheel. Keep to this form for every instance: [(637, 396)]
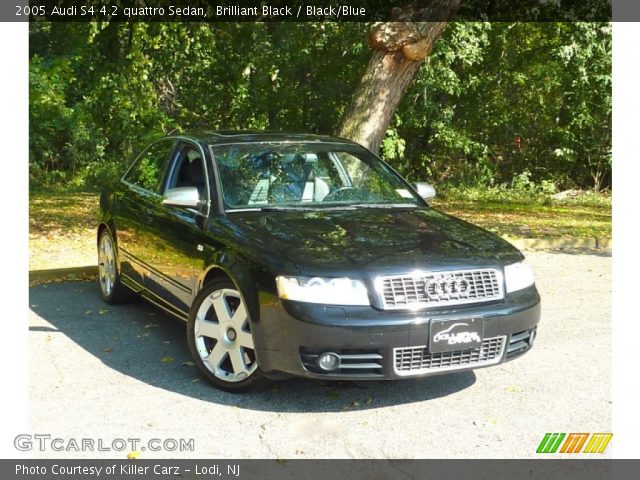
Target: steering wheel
[(338, 193)]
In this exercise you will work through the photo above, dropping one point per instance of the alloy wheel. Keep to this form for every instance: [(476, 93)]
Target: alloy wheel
[(106, 265), (223, 337)]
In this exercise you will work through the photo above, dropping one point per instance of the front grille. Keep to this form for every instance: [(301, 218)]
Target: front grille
[(436, 289), (416, 360)]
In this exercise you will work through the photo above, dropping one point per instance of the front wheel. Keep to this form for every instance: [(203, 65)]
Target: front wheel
[(220, 340), (112, 290)]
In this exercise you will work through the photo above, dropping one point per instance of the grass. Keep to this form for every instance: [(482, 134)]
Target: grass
[(62, 228), (531, 220), (62, 222)]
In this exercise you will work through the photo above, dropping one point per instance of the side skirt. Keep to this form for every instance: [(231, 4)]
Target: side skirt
[(154, 299)]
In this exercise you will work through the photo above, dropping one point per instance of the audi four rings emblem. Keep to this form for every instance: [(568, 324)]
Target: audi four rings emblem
[(447, 287)]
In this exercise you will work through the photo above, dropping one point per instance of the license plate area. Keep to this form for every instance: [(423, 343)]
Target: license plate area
[(455, 335)]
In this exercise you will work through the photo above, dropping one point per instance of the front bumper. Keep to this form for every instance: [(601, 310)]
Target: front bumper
[(378, 344)]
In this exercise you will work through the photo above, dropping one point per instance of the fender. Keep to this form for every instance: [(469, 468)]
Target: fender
[(240, 274), (107, 203)]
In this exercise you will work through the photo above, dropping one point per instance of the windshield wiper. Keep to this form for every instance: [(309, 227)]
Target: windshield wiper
[(384, 205), (272, 208), (321, 208)]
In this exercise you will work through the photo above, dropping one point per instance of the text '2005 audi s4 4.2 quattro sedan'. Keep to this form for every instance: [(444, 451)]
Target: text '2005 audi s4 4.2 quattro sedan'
[(303, 255)]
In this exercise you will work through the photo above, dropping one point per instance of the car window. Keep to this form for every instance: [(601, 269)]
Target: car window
[(188, 171), (309, 175), (148, 170)]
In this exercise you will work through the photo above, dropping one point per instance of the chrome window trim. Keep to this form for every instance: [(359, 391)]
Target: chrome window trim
[(419, 274)]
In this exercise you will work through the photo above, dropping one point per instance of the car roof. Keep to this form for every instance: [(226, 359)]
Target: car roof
[(220, 137)]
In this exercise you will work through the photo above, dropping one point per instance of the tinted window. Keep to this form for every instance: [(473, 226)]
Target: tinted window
[(148, 170), (188, 171), (309, 175)]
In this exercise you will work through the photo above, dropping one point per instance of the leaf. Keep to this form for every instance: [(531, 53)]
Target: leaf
[(133, 455), (151, 325), (167, 359), (102, 311), (188, 364), (333, 394)]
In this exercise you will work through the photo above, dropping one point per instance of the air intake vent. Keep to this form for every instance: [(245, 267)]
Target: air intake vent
[(520, 342), (417, 360)]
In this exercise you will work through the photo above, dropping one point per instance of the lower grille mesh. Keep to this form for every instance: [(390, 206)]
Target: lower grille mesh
[(415, 360)]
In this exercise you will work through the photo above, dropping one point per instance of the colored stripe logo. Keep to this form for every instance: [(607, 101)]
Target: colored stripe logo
[(574, 443)]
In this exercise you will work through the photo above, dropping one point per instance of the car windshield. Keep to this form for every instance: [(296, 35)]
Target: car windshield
[(307, 175)]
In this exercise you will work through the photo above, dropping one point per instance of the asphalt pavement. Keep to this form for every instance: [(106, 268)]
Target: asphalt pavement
[(106, 373)]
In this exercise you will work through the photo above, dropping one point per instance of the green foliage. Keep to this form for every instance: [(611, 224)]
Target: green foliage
[(521, 105)]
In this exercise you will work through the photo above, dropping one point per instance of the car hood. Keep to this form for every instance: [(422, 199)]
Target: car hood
[(371, 239)]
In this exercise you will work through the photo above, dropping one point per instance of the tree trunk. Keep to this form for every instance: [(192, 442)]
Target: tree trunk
[(399, 49)]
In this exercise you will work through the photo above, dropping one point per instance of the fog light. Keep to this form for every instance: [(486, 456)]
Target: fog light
[(328, 361)]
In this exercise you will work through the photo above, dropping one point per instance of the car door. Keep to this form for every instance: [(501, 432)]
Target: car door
[(175, 254), (141, 193)]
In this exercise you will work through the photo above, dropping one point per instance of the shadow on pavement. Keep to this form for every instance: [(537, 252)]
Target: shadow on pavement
[(134, 339)]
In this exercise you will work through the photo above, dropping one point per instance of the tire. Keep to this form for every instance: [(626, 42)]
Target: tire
[(112, 290), (220, 340)]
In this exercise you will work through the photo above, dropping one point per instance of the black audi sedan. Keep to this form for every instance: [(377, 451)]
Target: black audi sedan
[(305, 255)]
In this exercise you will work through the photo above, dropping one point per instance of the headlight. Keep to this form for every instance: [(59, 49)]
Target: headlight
[(332, 291), (518, 276)]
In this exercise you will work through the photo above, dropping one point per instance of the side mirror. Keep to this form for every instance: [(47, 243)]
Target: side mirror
[(425, 190), (185, 197)]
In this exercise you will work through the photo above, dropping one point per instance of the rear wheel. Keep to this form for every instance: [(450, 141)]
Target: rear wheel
[(220, 340), (112, 290)]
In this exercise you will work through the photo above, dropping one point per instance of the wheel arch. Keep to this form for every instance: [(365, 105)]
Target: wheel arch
[(106, 225), (101, 228), (230, 266)]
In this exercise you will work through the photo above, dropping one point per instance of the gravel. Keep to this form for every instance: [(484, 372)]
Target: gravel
[(106, 373)]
